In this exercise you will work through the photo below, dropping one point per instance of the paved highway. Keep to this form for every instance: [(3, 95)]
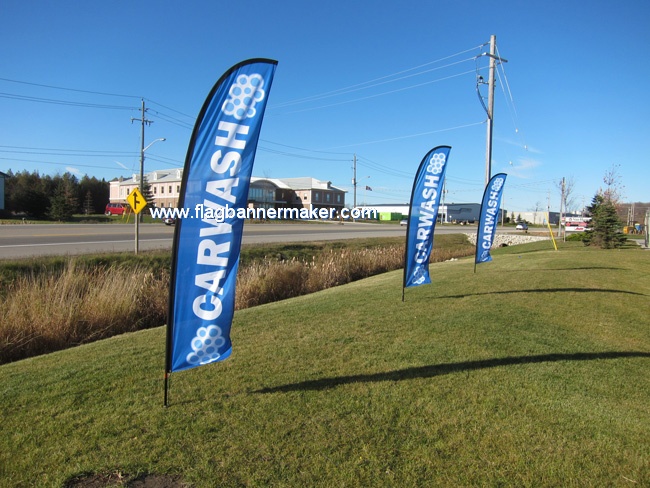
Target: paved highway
[(17, 241)]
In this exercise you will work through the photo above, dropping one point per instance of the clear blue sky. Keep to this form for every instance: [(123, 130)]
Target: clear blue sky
[(386, 81)]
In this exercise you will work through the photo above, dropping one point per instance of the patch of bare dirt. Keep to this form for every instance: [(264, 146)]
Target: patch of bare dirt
[(117, 479)]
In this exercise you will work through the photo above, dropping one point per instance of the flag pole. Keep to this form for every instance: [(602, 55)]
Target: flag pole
[(166, 403)]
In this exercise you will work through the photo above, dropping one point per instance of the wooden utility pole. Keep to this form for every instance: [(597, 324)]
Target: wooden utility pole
[(490, 107), (562, 231), (354, 179), (144, 122)]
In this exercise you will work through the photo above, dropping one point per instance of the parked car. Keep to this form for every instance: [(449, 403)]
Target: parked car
[(522, 226), (114, 209), (403, 222), (169, 221)]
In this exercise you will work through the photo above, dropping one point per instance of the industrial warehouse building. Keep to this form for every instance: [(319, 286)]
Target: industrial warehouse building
[(452, 213)]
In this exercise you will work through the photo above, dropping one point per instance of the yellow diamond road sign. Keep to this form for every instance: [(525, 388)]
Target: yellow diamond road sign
[(136, 200)]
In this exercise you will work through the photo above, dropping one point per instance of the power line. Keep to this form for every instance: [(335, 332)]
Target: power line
[(60, 164), (63, 152), (172, 120), (299, 156), (358, 88), (173, 110), (369, 82), (301, 148), (510, 103), (410, 135), (382, 169), (397, 90), (64, 102), (68, 89)]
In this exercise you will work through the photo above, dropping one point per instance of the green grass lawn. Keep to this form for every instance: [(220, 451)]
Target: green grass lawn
[(531, 372)]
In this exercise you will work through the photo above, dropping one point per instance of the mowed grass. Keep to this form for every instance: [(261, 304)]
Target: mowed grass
[(531, 372)]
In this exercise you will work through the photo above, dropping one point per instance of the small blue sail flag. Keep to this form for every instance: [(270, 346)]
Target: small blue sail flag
[(425, 200), (216, 179), (487, 225)]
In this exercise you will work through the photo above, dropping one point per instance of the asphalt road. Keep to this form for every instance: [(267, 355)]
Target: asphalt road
[(18, 241)]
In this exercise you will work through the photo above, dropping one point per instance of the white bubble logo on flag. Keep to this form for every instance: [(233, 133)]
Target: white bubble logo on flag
[(437, 164), (205, 345), (243, 95)]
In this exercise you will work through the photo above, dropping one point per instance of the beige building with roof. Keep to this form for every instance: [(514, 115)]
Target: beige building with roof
[(165, 187), (305, 192)]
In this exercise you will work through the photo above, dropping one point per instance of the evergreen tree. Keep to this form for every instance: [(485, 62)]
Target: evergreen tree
[(63, 203), (147, 191), (99, 191), (606, 226), (26, 193), (88, 203)]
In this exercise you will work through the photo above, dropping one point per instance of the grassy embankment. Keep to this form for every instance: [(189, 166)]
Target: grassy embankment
[(531, 372), (50, 304)]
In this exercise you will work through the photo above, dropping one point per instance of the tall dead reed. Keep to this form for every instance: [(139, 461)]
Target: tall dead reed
[(48, 312), (271, 280)]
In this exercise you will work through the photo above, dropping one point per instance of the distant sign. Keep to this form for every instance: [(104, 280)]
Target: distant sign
[(136, 200), (576, 224)]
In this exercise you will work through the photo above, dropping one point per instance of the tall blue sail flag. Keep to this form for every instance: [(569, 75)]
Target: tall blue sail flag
[(205, 255), (425, 200), (487, 226)]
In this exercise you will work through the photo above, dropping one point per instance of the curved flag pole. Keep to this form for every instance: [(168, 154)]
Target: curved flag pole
[(205, 253), (423, 213), (489, 218)]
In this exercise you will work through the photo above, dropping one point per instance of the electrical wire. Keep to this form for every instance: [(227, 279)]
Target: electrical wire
[(397, 90), (299, 156), (356, 86), (64, 102), (60, 164), (68, 89), (411, 135), (172, 120), (301, 148), (510, 102), (63, 152)]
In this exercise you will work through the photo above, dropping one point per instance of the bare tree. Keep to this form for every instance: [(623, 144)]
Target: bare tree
[(613, 191), (570, 204)]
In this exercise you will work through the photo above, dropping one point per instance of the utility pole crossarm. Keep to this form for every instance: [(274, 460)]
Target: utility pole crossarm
[(497, 58)]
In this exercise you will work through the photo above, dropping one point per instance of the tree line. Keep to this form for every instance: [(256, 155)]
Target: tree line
[(56, 197)]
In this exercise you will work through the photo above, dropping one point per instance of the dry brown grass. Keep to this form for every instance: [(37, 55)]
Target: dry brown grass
[(271, 280), (53, 311), (49, 311)]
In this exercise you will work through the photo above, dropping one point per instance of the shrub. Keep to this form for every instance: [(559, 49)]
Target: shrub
[(606, 225)]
